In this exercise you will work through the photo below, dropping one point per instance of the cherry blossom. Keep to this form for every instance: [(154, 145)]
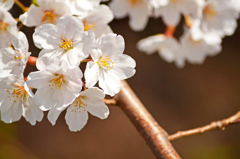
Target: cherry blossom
[(49, 11), (109, 64), (138, 10), (6, 4), (16, 100), (219, 16), (81, 7), (16, 58), (97, 20), (90, 100), (167, 47), (66, 41), (57, 85), (171, 11), (196, 45), (8, 28)]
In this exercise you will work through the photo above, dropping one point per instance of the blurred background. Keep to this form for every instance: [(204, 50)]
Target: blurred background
[(179, 99)]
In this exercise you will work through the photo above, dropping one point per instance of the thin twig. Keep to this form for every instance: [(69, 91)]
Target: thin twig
[(20, 5), (155, 136), (221, 124), (110, 101)]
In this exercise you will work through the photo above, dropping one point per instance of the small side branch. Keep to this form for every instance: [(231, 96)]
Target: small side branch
[(155, 136), (221, 124), (110, 101)]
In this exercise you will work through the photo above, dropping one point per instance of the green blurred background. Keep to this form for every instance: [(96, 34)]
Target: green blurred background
[(178, 99)]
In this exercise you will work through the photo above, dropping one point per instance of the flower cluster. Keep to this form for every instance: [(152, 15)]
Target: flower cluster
[(207, 22), (68, 33)]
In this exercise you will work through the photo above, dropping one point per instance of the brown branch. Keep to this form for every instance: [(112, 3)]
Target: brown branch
[(110, 101), (221, 124), (155, 136)]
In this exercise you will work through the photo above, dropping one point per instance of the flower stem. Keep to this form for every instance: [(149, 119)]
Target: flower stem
[(169, 31), (32, 60), (20, 5), (86, 60)]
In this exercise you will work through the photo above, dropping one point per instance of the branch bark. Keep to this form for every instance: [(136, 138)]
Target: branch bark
[(221, 124), (155, 136)]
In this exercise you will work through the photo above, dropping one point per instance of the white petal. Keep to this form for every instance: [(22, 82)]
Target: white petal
[(119, 8), (31, 112), (112, 45), (109, 82), (53, 115), (76, 120), (33, 17), (91, 74), (99, 110), (124, 67)]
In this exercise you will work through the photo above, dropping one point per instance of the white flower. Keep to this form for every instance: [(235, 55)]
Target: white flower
[(6, 4), (90, 100), (219, 16), (81, 7), (49, 11), (109, 64), (196, 45), (16, 99), (57, 85), (66, 41), (16, 58), (138, 10), (97, 20), (172, 10), (8, 28), (236, 4), (167, 48)]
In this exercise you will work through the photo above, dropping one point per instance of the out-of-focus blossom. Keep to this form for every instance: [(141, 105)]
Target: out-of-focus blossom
[(16, 99), (167, 47), (138, 11), (197, 45), (109, 64), (8, 28), (57, 85), (15, 58), (97, 20), (6, 4), (81, 7), (48, 11), (171, 12), (90, 100), (219, 16), (66, 41)]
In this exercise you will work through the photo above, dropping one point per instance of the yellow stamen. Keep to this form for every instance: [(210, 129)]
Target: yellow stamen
[(88, 26), (79, 104), (49, 17), (209, 12), (57, 81), (65, 43), (134, 3), (105, 62), (3, 26)]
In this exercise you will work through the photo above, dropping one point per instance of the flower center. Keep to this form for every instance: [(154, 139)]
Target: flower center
[(17, 93), (88, 26), (134, 3), (105, 62), (49, 16), (209, 12), (65, 43), (79, 104), (57, 81), (3, 26), (17, 55)]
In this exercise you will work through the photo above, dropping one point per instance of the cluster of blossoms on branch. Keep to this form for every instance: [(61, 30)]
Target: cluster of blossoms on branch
[(68, 33), (207, 22)]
